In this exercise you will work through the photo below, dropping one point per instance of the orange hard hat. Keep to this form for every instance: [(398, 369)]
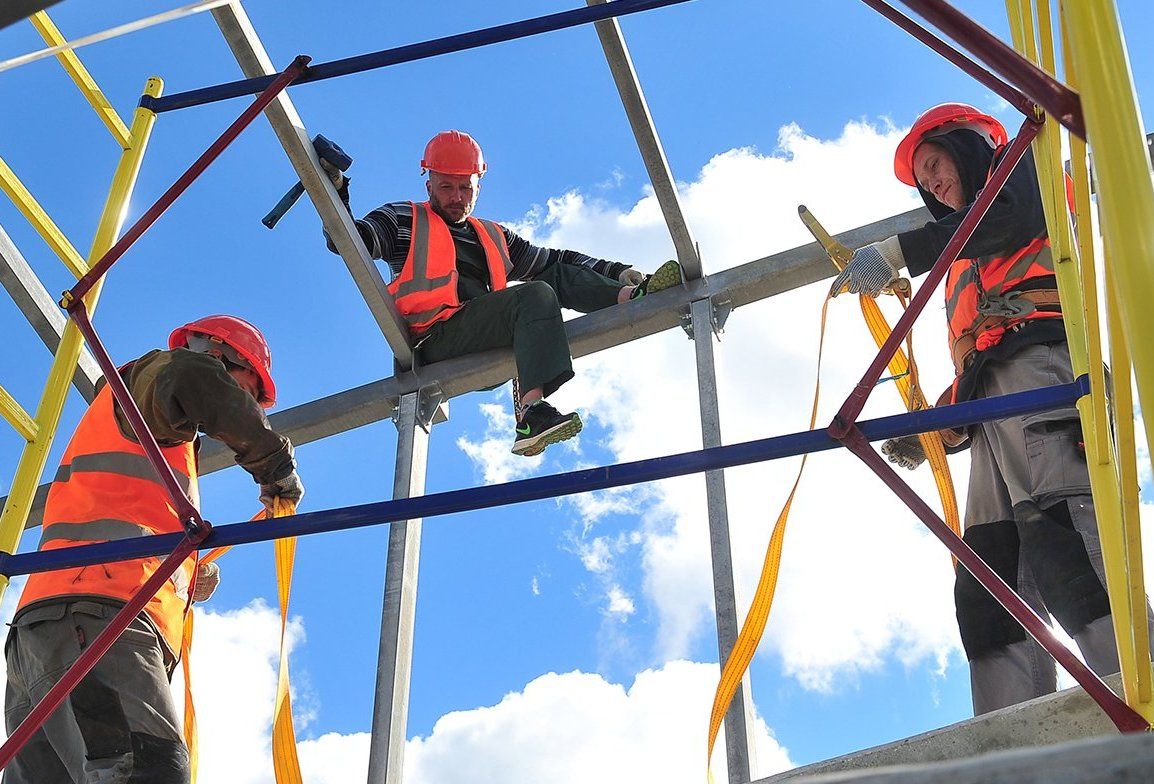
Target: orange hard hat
[(453, 152), (239, 335), (940, 119)]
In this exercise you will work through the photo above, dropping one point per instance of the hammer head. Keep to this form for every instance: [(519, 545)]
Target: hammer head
[(329, 151)]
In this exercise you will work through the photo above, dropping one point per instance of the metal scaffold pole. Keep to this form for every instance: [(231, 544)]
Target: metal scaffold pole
[(414, 419)]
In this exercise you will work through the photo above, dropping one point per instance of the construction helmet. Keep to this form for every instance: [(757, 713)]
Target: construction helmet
[(453, 152), (233, 339), (941, 119)]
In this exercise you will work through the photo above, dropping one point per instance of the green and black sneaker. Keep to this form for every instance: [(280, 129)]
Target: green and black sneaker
[(667, 276), (542, 425)]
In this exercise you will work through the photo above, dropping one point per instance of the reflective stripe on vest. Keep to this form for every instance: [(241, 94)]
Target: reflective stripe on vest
[(107, 490), (426, 289), (123, 463)]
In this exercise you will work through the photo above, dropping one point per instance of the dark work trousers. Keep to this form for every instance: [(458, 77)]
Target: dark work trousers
[(526, 316), (118, 726)]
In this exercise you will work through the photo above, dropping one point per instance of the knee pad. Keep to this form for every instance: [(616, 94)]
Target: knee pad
[(158, 760), (1057, 556), (986, 626), (539, 296)]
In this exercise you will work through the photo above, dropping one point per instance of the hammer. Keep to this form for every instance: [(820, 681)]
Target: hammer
[(326, 151)]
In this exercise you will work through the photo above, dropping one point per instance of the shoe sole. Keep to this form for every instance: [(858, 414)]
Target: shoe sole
[(554, 435), (667, 276)]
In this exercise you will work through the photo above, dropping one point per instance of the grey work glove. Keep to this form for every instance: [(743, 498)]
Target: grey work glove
[(905, 451), (872, 268), (631, 277), (207, 579), (336, 176), (289, 488)]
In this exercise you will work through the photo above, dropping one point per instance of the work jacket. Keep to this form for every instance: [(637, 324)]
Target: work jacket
[(426, 289), (105, 490)]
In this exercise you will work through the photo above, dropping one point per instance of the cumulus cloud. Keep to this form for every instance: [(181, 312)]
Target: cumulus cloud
[(578, 727)]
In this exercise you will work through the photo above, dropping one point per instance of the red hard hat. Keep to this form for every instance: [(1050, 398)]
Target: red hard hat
[(241, 336), (932, 122), (453, 152)]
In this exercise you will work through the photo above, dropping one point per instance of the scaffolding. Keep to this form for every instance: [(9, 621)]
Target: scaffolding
[(1095, 103)]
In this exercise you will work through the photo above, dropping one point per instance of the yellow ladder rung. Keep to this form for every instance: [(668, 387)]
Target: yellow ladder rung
[(40, 221), (16, 415)]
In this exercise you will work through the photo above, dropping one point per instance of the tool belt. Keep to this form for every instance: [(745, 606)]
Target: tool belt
[(1012, 311)]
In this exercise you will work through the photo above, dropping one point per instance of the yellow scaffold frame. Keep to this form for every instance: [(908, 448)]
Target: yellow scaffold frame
[(40, 431), (1095, 63)]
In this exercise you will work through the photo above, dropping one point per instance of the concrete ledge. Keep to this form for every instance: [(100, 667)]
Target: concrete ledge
[(1120, 759), (1064, 716)]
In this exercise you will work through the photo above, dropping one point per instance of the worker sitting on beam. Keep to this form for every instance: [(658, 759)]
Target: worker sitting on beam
[(450, 272), (1029, 512), (120, 724)]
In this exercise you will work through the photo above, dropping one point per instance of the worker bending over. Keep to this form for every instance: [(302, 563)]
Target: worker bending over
[(119, 724), (450, 272), (1029, 512)]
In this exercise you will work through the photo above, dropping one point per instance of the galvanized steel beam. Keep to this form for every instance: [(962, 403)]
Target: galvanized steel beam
[(375, 401), (286, 122)]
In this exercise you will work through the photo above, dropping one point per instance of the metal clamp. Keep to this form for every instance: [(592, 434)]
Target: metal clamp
[(719, 310)]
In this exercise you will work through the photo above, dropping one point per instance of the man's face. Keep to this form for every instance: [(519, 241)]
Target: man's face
[(248, 379), (937, 173), (453, 196)]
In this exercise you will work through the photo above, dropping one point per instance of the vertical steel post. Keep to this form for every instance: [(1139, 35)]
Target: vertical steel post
[(398, 615), (739, 751)]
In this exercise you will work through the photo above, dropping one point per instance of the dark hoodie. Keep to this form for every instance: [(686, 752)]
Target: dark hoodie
[(1014, 219)]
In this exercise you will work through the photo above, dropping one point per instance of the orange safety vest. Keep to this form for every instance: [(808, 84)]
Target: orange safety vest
[(426, 289), (994, 279), (106, 489)]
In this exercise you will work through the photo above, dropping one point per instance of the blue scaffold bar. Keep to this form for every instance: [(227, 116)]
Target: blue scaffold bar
[(621, 474), (411, 52)]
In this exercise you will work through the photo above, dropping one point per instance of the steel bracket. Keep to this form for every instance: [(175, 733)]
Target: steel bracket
[(719, 309), (433, 407)]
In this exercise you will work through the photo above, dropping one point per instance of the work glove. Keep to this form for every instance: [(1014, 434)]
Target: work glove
[(905, 451), (336, 176), (289, 488), (207, 579), (631, 277), (872, 268)]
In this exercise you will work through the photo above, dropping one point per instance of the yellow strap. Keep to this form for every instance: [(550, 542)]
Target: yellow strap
[(904, 370), (286, 766), (751, 630), (906, 378)]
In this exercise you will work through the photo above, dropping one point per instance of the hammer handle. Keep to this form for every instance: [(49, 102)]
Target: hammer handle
[(283, 206)]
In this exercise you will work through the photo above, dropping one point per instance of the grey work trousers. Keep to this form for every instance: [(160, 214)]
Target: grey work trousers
[(526, 317), (119, 725), (1028, 477)]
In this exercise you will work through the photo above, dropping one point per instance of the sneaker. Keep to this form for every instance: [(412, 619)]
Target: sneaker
[(542, 425), (667, 275)]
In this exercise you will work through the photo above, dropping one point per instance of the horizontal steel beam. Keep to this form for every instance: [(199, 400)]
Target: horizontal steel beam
[(40, 309), (411, 52), (556, 485), (588, 334), (286, 122)]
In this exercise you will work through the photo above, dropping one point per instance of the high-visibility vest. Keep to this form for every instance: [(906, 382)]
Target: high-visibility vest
[(997, 276), (426, 289), (990, 278), (105, 489)]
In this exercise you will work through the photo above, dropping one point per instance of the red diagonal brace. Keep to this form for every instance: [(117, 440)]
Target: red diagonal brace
[(197, 168), (90, 655), (1011, 94), (186, 511), (1053, 96), (856, 401), (1123, 716)]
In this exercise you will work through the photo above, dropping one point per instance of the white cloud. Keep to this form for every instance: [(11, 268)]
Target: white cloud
[(620, 603), (577, 727)]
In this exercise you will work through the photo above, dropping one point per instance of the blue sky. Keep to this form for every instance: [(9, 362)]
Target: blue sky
[(508, 595)]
